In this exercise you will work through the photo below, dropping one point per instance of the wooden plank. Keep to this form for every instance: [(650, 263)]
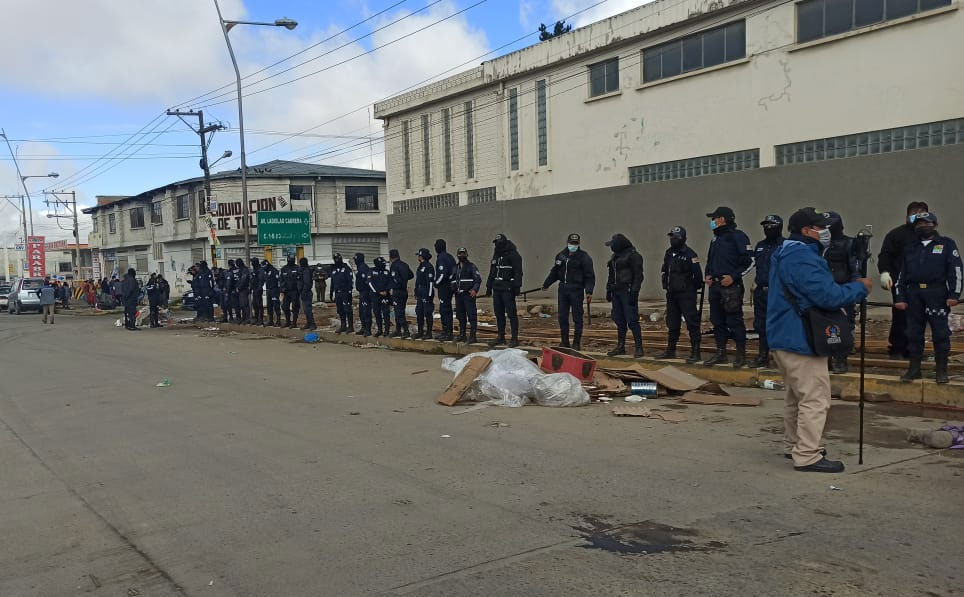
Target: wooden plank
[(463, 380)]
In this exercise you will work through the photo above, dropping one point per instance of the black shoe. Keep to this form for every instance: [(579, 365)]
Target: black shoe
[(913, 371), (694, 357), (823, 452), (740, 359), (365, 332), (840, 366), (762, 360), (396, 334), (472, 339), (576, 345), (418, 335), (428, 336), (405, 333), (618, 350), (822, 466), (666, 354), (565, 344), (497, 341), (638, 353), (310, 328), (342, 329), (378, 332), (305, 327), (513, 343), (461, 338), (718, 358), (941, 376)]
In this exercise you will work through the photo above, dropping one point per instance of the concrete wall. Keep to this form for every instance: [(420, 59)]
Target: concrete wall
[(864, 190)]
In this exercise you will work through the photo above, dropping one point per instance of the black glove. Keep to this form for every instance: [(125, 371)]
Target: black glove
[(516, 290), (488, 292), (609, 296)]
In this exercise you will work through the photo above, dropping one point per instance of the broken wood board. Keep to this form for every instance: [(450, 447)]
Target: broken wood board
[(464, 379), (635, 410), (712, 399)]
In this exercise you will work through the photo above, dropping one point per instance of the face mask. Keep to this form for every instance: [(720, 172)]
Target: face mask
[(676, 242), (572, 248), (713, 225), (911, 218), (825, 237), (925, 232), (771, 232), (463, 258)]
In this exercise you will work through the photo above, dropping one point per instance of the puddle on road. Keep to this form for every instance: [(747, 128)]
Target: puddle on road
[(883, 427), (641, 538)]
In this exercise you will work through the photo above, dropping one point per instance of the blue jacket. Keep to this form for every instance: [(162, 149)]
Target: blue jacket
[(798, 264)]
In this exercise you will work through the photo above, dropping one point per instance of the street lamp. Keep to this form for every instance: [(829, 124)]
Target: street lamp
[(225, 27), (23, 182), (227, 153)]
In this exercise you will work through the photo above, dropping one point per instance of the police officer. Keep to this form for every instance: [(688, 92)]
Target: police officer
[(203, 285), (306, 284), (622, 290), (466, 282), (889, 262), (928, 286), (381, 285), (728, 258), (291, 302), (244, 291), (574, 272), (257, 292), (424, 294), (841, 256), (340, 294), (444, 278), (366, 298), (503, 285), (682, 277), (401, 274), (772, 239), (321, 282), (154, 292), (272, 285), (227, 293)]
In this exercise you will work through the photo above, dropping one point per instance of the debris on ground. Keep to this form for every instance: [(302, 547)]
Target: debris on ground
[(672, 381), (556, 359), (535, 310), (851, 393), (464, 378), (717, 400), (312, 337), (647, 412), (634, 398), (419, 371), (835, 488), (371, 345), (948, 436), (468, 409), (771, 384), (164, 383), (498, 424)]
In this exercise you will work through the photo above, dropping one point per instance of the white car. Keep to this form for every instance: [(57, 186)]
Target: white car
[(4, 293), (23, 296)]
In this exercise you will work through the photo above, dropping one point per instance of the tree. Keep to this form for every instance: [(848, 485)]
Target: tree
[(558, 29)]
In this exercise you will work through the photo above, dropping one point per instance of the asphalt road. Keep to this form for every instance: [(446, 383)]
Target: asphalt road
[(277, 468)]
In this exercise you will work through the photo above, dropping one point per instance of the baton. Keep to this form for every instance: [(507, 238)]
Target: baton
[(863, 253), (525, 292), (702, 296)]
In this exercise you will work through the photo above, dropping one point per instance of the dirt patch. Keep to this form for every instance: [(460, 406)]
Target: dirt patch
[(641, 538)]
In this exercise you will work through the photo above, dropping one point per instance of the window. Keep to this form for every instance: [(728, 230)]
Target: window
[(299, 192), (112, 223), (701, 50), (514, 128), (93, 224), (137, 217), (406, 154), (447, 144), (426, 203), (932, 134), (157, 216), (604, 77), (141, 263), (158, 250), (720, 163), (469, 142), (361, 198), (182, 207), (822, 18), (197, 255), (64, 267), (542, 122), (202, 204), (426, 155), (486, 195)]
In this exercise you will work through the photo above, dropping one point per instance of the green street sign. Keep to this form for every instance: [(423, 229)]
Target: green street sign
[(284, 228)]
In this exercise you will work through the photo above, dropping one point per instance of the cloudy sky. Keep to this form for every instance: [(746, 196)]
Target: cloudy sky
[(84, 85)]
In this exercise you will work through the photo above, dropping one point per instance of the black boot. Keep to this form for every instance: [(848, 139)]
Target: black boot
[(839, 364), (461, 337), (378, 330), (472, 339), (620, 344), (577, 341), (398, 331), (718, 358), (762, 360), (428, 333), (565, 342), (669, 353), (740, 358), (513, 342), (638, 352), (694, 354), (405, 333), (350, 329), (341, 330), (418, 335), (941, 375), (500, 339), (913, 371)]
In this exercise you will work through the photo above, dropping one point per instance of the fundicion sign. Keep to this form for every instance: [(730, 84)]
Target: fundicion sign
[(284, 227)]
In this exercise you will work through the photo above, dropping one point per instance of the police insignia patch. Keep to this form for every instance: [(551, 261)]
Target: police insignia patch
[(938, 249)]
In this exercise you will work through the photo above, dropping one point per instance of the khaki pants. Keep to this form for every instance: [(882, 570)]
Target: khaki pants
[(807, 402), (48, 310)]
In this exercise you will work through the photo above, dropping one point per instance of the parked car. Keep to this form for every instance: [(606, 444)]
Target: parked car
[(23, 295), (4, 294)]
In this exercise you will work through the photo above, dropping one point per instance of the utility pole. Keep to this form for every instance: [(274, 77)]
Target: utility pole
[(72, 207), (205, 142), (16, 165), (23, 213)]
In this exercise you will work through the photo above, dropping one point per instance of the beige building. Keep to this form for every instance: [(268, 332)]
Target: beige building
[(169, 228)]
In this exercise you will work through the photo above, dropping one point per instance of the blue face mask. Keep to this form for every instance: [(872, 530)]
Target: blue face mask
[(572, 248), (713, 225), (911, 218)]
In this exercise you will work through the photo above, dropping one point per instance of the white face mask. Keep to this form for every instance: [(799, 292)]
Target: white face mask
[(824, 237)]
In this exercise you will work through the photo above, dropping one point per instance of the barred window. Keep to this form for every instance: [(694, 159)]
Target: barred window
[(202, 204), (447, 144), (361, 198), (157, 216), (822, 18), (426, 203), (542, 122), (514, 128), (932, 134), (469, 142), (112, 223), (93, 224), (406, 154), (702, 50), (604, 77), (720, 163), (426, 155), (486, 195), (182, 207), (158, 250), (137, 217)]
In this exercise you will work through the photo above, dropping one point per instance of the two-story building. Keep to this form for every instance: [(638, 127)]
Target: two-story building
[(169, 228)]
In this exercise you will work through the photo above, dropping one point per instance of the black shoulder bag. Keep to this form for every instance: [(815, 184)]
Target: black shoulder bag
[(829, 332)]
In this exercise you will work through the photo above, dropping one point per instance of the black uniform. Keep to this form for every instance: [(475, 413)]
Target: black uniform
[(366, 298), (381, 285), (306, 286), (401, 274), (504, 284), (577, 279), (444, 276), (622, 290), (729, 255), (129, 293), (930, 275), (340, 291), (291, 302), (425, 298), (257, 292), (272, 286), (243, 277), (467, 280), (228, 297), (203, 286), (681, 278), (761, 259), (891, 260), (154, 297)]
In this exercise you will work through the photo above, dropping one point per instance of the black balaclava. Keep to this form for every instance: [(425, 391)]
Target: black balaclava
[(618, 243), (255, 263), (359, 258), (836, 225), (291, 260), (677, 242), (440, 245), (338, 259), (303, 262)]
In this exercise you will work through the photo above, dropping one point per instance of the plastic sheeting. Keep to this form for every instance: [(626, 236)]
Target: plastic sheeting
[(513, 380)]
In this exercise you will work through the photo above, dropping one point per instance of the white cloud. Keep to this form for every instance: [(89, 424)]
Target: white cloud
[(525, 13), (603, 11)]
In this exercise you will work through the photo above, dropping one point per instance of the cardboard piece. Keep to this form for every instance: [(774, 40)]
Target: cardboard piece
[(603, 382), (711, 399), (635, 410), (463, 380), (675, 379)]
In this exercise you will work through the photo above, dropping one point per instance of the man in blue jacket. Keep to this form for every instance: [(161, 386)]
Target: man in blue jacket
[(798, 268)]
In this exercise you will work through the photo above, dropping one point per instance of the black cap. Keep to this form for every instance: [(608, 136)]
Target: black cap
[(423, 253), (573, 238), (462, 250), (926, 216), (255, 262), (359, 257), (677, 231), (808, 216), (498, 237), (772, 220), (722, 212), (393, 253), (336, 256)]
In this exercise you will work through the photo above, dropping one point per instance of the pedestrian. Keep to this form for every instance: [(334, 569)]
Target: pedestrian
[(425, 277), (203, 285), (381, 286), (65, 292), (243, 291), (401, 274), (321, 283), (681, 278), (728, 258), (341, 283), (116, 293), (90, 293), (48, 300), (154, 293), (772, 239), (165, 291), (841, 256), (130, 291), (366, 297), (622, 290), (306, 278), (257, 293), (289, 286), (574, 271), (889, 263), (444, 277), (503, 285), (272, 287), (928, 287), (804, 282), (466, 282)]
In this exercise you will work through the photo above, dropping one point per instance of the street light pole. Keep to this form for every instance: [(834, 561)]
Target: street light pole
[(225, 27)]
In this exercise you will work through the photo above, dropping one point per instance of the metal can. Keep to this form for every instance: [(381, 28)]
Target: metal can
[(643, 388)]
